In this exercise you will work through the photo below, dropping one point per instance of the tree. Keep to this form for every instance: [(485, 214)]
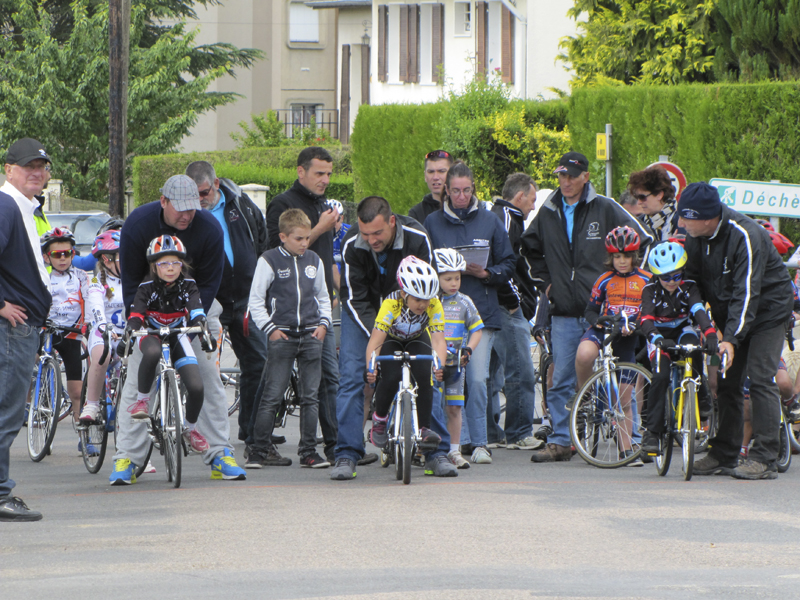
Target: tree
[(641, 41), (54, 84)]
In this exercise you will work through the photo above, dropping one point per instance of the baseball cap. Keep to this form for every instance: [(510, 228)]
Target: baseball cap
[(24, 151), (573, 164), (182, 192)]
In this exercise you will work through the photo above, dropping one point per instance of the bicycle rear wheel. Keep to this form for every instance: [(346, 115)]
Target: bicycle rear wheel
[(94, 435), (43, 413), (664, 457), (785, 446), (172, 444), (408, 437), (689, 429)]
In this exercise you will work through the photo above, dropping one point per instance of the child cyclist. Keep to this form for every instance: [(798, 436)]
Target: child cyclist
[(669, 304), (617, 292), (462, 331), (409, 320), (168, 298), (106, 289), (71, 299)]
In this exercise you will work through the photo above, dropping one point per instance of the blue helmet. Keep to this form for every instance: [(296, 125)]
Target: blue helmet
[(666, 258)]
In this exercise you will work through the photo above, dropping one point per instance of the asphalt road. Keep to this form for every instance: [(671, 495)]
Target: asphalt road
[(509, 530)]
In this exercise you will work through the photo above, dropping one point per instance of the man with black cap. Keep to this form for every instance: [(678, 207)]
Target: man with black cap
[(742, 277), (565, 250), (24, 302)]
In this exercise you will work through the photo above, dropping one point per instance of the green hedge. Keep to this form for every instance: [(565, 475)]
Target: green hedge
[(150, 172)]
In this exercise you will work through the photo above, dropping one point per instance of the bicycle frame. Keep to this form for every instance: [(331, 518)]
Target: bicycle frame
[(679, 388)]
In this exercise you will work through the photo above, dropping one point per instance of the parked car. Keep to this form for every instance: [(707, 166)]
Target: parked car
[(85, 226)]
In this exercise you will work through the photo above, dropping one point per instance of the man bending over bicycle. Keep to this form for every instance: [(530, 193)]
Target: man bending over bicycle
[(669, 303), (412, 319), (167, 299)]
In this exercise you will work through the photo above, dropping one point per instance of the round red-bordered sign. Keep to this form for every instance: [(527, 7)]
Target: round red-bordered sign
[(675, 174)]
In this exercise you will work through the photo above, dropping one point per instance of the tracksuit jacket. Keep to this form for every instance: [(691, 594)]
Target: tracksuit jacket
[(363, 287), (482, 226), (420, 211), (572, 268), (520, 291), (741, 276)]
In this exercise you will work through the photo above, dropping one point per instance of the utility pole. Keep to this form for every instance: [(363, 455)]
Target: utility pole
[(119, 28)]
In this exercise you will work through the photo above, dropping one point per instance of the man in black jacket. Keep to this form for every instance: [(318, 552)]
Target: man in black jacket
[(742, 277), (437, 163), (565, 250), (314, 168), (245, 239)]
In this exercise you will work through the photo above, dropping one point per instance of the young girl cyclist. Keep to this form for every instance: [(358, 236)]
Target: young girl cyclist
[(413, 321), (168, 298)]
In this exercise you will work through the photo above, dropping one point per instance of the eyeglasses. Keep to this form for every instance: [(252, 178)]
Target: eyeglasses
[(437, 154), (464, 192), (671, 278), (60, 253), (642, 197), (108, 258), (205, 193), (169, 263), (39, 167)]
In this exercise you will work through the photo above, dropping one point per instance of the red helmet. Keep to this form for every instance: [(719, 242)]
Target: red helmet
[(165, 245), (622, 239), (781, 242)]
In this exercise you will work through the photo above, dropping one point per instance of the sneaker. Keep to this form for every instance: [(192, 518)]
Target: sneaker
[(89, 413), (123, 473), (543, 432), (497, 444), (752, 469), (314, 461), (246, 452), (440, 466), (481, 456), (457, 460), (91, 449), (139, 410), (253, 460), (367, 459), (428, 440), (270, 458), (649, 443), (278, 439), (344, 469), (149, 468), (708, 465), (378, 435), (528, 443), (14, 509), (195, 440), (224, 467), (552, 453), (636, 462)]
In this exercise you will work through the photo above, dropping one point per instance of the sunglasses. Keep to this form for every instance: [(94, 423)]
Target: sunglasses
[(205, 193), (60, 253), (169, 263), (642, 197), (437, 154), (673, 277)]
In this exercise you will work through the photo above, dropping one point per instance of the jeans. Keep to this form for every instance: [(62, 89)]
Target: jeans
[(566, 333), (18, 347), (512, 346), (473, 430), (251, 350), (495, 433), (350, 398), (757, 357), (282, 354), (328, 387)]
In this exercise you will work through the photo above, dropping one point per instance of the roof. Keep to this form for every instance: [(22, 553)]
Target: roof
[(339, 3)]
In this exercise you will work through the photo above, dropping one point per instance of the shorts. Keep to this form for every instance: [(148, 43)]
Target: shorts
[(624, 347), (70, 352), (454, 386), (96, 339)]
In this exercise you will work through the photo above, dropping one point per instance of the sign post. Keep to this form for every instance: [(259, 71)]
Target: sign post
[(603, 152)]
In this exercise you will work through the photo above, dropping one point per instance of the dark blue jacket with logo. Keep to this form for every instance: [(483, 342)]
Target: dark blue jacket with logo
[(478, 227)]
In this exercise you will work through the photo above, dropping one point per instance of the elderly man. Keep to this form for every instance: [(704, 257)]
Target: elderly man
[(742, 277), (245, 235), (177, 213), (24, 302)]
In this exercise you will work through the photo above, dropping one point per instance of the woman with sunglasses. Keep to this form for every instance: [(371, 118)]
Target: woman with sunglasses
[(71, 300), (653, 191), (669, 304)]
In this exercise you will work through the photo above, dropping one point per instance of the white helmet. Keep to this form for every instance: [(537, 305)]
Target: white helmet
[(449, 260), (417, 278), (336, 205)]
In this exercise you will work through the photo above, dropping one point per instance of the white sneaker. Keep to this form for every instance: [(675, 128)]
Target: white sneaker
[(528, 443), (149, 468), (459, 461), (481, 456), (89, 413)]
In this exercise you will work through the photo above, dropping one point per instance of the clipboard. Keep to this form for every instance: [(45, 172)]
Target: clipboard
[(474, 254)]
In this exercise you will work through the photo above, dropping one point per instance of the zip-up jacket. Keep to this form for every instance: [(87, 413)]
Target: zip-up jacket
[(479, 227), (741, 276), (520, 290), (202, 238), (248, 234), (161, 305), (363, 287), (664, 312), (299, 197), (289, 293), (419, 212), (617, 293), (20, 282), (572, 268)]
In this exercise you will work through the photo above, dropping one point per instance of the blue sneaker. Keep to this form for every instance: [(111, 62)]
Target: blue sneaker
[(91, 449), (224, 467), (123, 473)]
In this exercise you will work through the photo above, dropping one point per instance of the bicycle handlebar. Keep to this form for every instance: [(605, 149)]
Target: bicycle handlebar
[(403, 356), (167, 331)]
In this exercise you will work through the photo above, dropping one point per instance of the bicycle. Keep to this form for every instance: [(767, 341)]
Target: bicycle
[(230, 375), (47, 392), (403, 424), (602, 419), (165, 423)]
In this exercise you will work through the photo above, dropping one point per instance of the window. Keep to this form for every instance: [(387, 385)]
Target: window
[(303, 23), (302, 115), (431, 42), (495, 31), (463, 18), (410, 42)]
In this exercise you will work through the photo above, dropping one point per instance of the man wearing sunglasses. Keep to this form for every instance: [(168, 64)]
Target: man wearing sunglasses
[(437, 163), (742, 277), (24, 302)]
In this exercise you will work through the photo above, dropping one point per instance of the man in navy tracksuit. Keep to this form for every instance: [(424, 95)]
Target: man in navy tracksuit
[(245, 238)]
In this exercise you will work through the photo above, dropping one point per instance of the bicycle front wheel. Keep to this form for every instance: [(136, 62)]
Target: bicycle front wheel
[(172, 428), (408, 437), (665, 439), (689, 429), (602, 420), (785, 446), (94, 435), (43, 413)]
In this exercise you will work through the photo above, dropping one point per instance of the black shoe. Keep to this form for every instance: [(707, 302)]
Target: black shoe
[(14, 509), (467, 449), (708, 465), (314, 461), (270, 458), (429, 440), (542, 433), (649, 443), (277, 440), (368, 459)]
